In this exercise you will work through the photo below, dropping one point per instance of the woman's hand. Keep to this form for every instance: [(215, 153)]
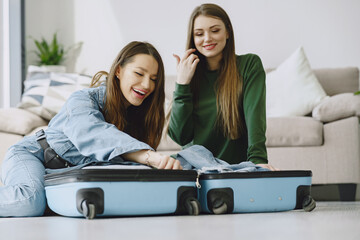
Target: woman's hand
[(153, 159), (160, 161), (186, 66), (268, 166)]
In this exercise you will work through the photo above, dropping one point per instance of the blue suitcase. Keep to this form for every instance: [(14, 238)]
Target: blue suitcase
[(245, 192), (121, 191)]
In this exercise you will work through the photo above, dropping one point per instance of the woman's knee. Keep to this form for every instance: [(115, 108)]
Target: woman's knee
[(23, 176), (33, 203)]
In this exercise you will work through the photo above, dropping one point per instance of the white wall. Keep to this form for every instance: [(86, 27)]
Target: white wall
[(1, 53), (273, 29), (43, 19)]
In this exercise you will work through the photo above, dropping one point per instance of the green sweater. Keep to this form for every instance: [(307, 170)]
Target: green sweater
[(189, 125)]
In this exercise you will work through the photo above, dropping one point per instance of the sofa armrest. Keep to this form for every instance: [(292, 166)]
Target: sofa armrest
[(19, 121), (337, 107)]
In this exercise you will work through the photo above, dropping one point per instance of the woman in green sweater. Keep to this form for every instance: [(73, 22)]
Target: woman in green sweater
[(219, 98)]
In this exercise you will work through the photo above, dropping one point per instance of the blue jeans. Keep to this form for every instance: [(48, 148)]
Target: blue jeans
[(23, 176)]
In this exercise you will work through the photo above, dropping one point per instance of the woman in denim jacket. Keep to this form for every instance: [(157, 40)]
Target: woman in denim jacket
[(122, 118)]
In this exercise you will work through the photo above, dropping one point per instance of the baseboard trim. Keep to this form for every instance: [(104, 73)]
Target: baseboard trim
[(334, 192)]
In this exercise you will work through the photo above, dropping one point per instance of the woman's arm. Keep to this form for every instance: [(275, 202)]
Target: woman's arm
[(93, 136), (181, 123), (255, 112), (254, 109), (87, 129), (181, 128)]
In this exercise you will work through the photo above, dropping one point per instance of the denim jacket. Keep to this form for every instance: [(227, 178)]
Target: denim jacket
[(80, 134), (201, 159)]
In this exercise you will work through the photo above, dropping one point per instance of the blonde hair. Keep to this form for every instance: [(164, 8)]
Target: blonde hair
[(144, 122), (229, 84)]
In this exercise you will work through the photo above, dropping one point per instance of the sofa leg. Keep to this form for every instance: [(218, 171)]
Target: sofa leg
[(334, 192)]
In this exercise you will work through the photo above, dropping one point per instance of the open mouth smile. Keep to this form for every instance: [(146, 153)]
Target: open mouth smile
[(139, 93)]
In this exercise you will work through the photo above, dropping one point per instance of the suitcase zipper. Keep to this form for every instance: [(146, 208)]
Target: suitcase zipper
[(198, 185)]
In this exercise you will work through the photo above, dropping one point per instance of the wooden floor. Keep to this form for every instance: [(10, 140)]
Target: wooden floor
[(330, 220)]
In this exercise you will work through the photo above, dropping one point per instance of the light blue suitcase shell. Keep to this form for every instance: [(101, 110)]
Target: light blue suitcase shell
[(122, 191), (247, 192)]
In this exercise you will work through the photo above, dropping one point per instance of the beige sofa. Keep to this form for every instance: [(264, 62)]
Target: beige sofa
[(327, 143)]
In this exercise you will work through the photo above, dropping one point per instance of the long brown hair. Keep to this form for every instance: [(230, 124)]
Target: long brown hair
[(229, 84), (144, 122)]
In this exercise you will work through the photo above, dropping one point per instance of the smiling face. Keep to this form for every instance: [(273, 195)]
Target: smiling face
[(210, 36), (137, 78)]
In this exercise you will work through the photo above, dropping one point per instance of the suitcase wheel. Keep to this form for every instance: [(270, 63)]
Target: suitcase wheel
[(192, 206), (308, 203), (220, 200), (88, 209), (90, 202), (219, 207)]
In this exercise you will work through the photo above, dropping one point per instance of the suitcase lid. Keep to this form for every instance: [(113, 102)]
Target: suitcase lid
[(119, 174), (260, 174)]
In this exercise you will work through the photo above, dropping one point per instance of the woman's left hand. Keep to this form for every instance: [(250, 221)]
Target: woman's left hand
[(268, 166)]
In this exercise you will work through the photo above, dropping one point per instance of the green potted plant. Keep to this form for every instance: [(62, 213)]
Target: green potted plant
[(50, 55)]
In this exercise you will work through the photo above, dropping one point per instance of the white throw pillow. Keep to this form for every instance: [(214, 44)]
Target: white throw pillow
[(46, 92), (293, 89)]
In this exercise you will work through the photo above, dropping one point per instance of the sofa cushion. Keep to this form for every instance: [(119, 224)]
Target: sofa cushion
[(338, 80), (293, 131), (46, 92), (293, 89), (19, 121), (337, 107)]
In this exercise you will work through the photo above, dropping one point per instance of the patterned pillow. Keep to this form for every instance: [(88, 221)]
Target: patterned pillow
[(46, 92)]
